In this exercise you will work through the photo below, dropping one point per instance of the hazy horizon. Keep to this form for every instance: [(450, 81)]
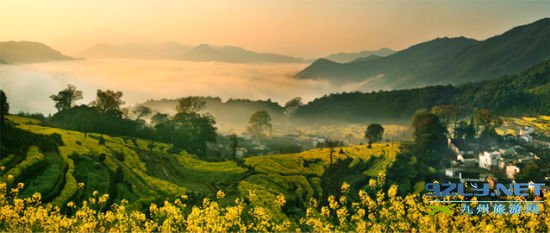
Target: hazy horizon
[(307, 29), (29, 86)]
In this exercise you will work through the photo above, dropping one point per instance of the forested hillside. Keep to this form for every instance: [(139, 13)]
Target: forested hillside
[(527, 92)]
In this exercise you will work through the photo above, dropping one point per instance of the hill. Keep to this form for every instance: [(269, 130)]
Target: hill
[(165, 50), (19, 52), (67, 165), (348, 57), (525, 93), (444, 61), (206, 52)]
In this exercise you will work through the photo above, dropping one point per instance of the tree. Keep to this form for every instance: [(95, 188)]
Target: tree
[(159, 118), (109, 102), (142, 111), (234, 145), (429, 135), (66, 98), (374, 133), (331, 144), (259, 124), (192, 131), (4, 108), (292, 105), (190, 104)]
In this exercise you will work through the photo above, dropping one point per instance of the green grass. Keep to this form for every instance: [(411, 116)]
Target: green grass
[(47, 179), (33, 157)]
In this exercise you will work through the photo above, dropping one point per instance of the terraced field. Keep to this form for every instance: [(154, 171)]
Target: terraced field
[(512, 124), (143, 171)]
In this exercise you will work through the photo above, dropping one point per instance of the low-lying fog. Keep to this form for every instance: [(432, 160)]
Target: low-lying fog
[(29, 86)]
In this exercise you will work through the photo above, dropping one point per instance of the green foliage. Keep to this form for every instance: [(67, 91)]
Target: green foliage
[(66, 98), (109, 102), (4, 107), (90, 119), (429, 134)]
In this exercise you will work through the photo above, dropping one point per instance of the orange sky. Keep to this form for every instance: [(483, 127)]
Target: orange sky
[(299, 28)]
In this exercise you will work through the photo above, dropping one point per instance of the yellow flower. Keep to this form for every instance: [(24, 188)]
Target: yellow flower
[(345, 187), (70, 204), (372, 183), (332, 202), (103, 198), (220, 194), (392, 192), (280, 201), (325, 211), (10, 177)]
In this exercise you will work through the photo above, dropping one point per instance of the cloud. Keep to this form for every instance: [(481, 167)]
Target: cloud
[(29, 86)]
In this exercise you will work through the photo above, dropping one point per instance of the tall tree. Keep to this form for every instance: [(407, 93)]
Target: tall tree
[(374, 133), (429, 135), (66, 98), (234, 145), (4, 108), (190, 104), (331, 144), (259, 124), (142, 111), (109, 102), (292, 105)]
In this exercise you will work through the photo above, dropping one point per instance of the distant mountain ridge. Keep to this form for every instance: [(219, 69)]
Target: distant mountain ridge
[(21, 52), (205, 52), (348, 57), (164, 50), (178, 51), (443, 61)]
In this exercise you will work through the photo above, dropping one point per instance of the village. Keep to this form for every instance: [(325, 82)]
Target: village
[(514, 158)]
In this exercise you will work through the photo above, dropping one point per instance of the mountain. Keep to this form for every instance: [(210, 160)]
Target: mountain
[(523, 93), (29, 52), (348, 57), (165, 50), (444, 61), (368, 58), (234, 54)]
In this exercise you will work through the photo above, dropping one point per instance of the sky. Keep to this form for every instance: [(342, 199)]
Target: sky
[(299, 28)]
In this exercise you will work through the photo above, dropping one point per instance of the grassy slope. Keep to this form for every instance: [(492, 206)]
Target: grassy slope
[(151, 173)]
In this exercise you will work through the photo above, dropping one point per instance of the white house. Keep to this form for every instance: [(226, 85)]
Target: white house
[(451, 172), (527, 130), (511, 171), (489, 159)]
